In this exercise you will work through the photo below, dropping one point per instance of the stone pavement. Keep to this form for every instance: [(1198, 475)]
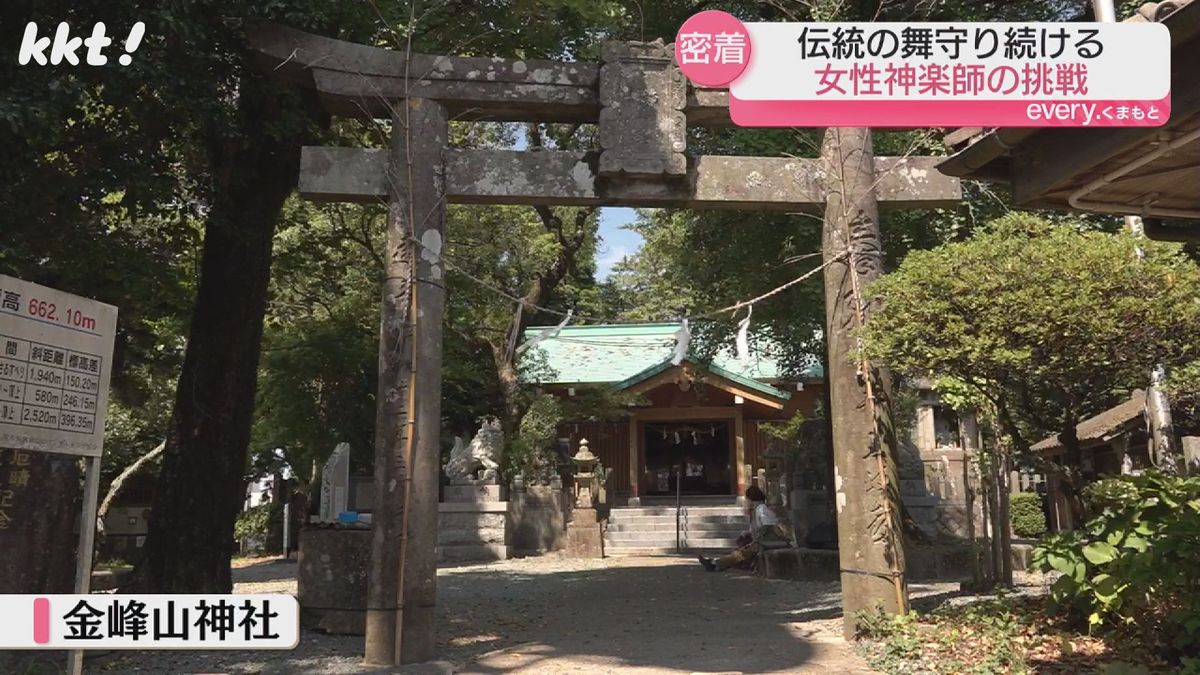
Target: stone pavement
[(553, 615), (648, 615)]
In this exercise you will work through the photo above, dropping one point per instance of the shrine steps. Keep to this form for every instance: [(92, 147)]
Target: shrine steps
[(650, 530)]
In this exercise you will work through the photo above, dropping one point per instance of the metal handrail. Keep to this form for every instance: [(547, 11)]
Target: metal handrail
[(678, 507)]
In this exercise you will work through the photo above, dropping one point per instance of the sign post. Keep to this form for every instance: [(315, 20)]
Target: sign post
[(55, 364)]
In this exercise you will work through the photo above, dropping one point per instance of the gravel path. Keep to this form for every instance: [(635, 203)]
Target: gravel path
[(554, 615)]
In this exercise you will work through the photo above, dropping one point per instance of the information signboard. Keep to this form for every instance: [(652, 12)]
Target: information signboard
[(55, 363)]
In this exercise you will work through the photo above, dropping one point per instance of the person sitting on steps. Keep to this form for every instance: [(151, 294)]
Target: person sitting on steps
[(765, 531)]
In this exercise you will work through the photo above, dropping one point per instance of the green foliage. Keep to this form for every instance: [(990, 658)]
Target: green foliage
[(1183, 390), (905, 401), (532, 452), (792, 434), (1047, 318), (254, 523), (1108, 494), (1026, 515), (1136, 561), (696, 261), (539, 426), (909, 643), (788, 430), (317, 375)]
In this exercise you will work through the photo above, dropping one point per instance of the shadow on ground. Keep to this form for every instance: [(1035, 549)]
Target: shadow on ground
[(644, 615), (653, 615)]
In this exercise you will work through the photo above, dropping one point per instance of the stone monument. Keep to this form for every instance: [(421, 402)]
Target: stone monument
[(332, 566), (775, 477), (335, 483)]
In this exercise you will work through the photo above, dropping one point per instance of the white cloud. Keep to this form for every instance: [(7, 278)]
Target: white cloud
[(607, 258)]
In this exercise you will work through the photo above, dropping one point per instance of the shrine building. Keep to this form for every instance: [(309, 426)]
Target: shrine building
[(703, 417)]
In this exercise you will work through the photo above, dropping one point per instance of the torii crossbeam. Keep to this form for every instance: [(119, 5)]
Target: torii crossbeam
[(642, 105)]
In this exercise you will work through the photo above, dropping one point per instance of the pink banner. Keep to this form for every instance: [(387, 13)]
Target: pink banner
[(949, 113)]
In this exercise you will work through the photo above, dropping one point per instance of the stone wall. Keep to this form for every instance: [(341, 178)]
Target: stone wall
[(480, 528), (813, 518), (537, 521), (934, 492), (930, 465), (930, 469)]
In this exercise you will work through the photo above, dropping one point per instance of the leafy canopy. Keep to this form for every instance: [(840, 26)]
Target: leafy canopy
[(1057, 317)]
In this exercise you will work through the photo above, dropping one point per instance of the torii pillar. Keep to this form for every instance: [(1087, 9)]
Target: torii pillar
[(403, 569), (866, 487)]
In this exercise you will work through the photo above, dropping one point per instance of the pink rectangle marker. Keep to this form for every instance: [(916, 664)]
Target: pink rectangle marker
[(41, 620)]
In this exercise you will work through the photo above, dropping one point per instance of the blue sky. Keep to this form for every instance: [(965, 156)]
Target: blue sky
[(615, 243)]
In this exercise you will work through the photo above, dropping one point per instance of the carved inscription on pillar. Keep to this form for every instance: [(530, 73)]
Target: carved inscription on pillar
[(643, 130)]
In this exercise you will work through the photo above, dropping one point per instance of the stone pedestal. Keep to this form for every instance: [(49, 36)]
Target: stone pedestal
[(585, 537), (474, 493), (332, 578), (472, 531), (473, 522), (811, 513)]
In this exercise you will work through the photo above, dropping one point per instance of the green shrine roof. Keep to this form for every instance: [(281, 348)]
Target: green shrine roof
[(628, 353), (712, 368)]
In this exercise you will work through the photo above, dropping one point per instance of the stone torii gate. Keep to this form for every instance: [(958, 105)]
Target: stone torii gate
[(643, 106)]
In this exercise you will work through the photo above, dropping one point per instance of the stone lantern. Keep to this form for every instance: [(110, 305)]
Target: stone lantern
[(774, 474), (585, 537), (585, 475), (774, 460)]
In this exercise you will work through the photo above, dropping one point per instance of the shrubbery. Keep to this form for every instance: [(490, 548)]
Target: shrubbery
[(1136, 562), (1025, 512), (254, 525), (531, 453)]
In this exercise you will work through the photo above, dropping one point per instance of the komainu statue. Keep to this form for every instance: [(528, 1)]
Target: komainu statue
[(480, 455)]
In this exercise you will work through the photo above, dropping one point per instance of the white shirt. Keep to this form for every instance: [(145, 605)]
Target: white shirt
[(762, 517)]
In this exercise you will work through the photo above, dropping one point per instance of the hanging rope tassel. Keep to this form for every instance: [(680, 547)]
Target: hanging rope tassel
[(547, 333), (683, 338), (742, 341)]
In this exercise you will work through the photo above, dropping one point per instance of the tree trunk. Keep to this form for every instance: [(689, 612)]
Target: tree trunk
[(997, 541), (1004, 518), (1071, 474), (970, 453), (538, 294), (986, 507), (510, 390), (40, 499), (870, 540), (197, 498)]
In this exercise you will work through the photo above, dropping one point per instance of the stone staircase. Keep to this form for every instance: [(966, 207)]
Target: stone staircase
[(650, 530)]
